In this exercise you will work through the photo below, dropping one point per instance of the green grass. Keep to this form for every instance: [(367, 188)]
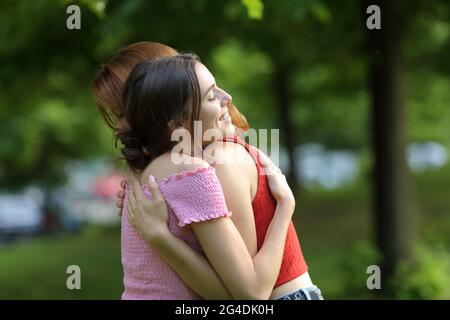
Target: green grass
[(37, 269), (328, 224)]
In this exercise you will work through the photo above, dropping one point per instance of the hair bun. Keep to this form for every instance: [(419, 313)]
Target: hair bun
[(132, 150)]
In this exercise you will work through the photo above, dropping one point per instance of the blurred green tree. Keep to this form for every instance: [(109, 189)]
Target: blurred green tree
[(395, 216)]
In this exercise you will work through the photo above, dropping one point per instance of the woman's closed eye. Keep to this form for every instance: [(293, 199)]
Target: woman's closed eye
[(211, 96)]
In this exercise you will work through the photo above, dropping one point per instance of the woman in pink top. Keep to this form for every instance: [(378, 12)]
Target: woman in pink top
[(193, 195)]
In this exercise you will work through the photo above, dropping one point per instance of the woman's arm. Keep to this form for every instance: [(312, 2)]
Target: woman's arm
[(244, 277), (193, 268), (234, 171)]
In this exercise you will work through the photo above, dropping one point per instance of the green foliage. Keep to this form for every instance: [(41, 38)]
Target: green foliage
[(300, 10), (245, 73), (427, 278), (95, 6), (254, 8), (338, 122), (429, 116), (355, 262)]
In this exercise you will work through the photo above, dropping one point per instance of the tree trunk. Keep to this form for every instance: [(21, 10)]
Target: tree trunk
[(393, 215), (284, 98)]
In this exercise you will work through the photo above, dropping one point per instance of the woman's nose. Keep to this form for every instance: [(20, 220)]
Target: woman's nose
[(225, 98)]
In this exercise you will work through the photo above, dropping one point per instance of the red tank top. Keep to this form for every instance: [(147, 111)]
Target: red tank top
[(264, 205)]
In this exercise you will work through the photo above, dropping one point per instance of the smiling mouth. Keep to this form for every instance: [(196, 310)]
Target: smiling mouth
[(225, 116)]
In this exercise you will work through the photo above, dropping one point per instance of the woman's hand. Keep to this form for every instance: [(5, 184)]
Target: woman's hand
[(148, 217), (278, 185)]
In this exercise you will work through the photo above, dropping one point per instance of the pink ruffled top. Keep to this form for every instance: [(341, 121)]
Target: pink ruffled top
[(191, 196)]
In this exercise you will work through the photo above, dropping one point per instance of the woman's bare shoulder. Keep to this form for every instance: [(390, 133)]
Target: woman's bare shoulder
[(229, 154), (169, 165)]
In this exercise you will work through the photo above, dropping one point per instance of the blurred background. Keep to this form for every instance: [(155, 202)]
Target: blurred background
[(364, 121)]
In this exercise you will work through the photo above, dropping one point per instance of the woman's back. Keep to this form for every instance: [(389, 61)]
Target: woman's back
[(146, 274)]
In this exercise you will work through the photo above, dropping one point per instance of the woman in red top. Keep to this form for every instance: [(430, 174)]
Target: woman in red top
[(293, 264), (248, 196)]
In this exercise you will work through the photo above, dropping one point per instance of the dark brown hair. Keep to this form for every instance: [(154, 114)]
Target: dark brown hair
[(159, 96)]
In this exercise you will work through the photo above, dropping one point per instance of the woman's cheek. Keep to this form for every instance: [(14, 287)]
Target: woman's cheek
[(213, 117)]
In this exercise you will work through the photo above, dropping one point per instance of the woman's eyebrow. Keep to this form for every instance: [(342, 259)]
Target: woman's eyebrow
[(210, 87)]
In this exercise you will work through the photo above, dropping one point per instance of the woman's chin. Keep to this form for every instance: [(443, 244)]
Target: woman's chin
[(228, 129)]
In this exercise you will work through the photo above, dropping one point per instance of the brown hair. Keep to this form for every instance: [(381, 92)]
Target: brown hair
[(159, 96), (108, 85)]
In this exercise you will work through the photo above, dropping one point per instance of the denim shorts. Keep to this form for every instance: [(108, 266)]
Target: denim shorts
[(308, 293)]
